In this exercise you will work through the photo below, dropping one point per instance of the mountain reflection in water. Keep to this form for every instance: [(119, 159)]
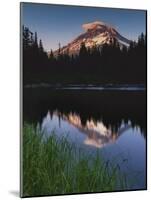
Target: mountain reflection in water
[(110, 122), (96, 133)]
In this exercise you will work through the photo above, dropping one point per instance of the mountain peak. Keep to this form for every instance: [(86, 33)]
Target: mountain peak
[(92, 25), (96, 33)]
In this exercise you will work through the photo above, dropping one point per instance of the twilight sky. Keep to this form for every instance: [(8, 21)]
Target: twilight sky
[(62, 24)]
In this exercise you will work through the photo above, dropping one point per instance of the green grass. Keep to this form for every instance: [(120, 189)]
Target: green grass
[(53, 167)]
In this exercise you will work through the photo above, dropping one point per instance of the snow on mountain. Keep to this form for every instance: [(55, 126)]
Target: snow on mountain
[(96, 33)]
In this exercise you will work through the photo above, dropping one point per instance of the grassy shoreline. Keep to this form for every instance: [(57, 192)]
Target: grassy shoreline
[(53, 167)]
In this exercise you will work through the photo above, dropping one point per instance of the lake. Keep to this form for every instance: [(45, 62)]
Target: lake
[(110, 120)]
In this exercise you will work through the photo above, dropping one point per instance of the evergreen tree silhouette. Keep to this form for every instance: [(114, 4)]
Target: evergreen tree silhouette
[(109, 63)]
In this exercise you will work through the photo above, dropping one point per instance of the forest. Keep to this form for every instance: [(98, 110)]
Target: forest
[(108, 64)]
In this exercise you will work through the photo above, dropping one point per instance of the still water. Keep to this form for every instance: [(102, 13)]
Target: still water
[(112, 122)]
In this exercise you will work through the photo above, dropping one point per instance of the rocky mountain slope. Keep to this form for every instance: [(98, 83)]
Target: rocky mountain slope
[(96, 33)]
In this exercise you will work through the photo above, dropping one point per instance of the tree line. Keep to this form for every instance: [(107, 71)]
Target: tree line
[(112, 63)]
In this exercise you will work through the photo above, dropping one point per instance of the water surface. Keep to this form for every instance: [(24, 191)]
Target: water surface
[(110, 121)]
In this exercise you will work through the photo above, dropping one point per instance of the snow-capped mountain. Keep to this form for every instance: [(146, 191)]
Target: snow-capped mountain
[(96, 33)]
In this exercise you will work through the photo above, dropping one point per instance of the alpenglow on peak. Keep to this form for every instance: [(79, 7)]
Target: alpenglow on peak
[(92, 25), (96, 33)]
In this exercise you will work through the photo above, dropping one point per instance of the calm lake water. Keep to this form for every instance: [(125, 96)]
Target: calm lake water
[(110, 121)]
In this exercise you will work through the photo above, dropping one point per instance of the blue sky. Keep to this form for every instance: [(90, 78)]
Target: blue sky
[(62, 24)]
